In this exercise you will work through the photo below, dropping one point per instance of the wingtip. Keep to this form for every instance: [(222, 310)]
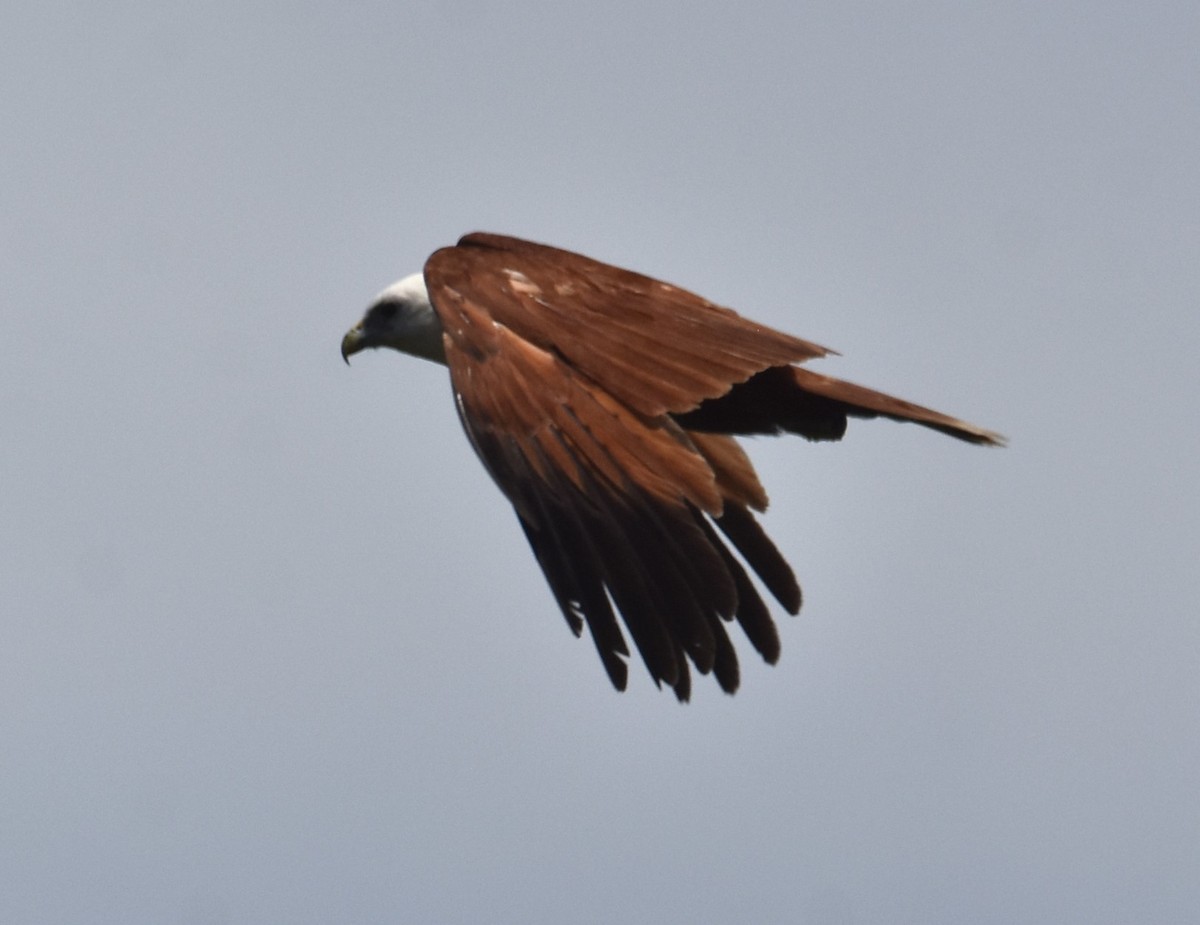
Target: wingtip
[(983, 437)]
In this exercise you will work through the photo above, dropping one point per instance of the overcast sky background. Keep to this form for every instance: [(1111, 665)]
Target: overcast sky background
[(274, 649)]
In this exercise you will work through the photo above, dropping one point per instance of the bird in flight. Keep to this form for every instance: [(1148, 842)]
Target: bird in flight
[(605, 405)]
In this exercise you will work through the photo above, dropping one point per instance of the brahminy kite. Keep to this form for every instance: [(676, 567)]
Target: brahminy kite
[(604, 404)]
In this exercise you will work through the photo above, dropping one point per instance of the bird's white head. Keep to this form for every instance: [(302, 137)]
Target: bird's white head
[(401, 317)]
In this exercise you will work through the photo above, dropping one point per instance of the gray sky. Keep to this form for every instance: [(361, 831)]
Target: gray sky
[(274, 649)]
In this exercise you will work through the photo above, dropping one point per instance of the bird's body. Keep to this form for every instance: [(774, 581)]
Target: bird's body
[(604, 404)]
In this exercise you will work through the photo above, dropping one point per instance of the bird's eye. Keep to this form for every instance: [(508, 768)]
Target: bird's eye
[(382, 313)]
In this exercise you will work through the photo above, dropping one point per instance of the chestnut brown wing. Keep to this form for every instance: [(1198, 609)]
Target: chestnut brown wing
[(654, 347), (614, 504)]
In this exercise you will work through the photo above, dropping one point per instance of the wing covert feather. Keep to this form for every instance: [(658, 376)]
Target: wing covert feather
[(655, 347)]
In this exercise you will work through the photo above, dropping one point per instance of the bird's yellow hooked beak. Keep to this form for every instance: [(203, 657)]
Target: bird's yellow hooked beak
[(352, 342)]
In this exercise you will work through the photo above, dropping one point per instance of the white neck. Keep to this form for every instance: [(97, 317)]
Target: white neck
[(416, 328)]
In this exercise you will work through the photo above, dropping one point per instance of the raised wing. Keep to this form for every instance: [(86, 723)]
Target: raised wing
[(654, 347), (791, 399)]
